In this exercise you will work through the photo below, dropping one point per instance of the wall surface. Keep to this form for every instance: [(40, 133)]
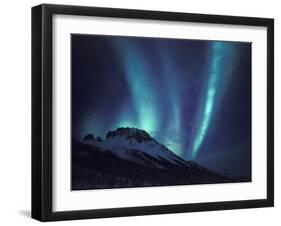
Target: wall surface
[(15, 120)]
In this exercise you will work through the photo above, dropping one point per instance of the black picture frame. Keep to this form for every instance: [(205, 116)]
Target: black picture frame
[(42, 107)]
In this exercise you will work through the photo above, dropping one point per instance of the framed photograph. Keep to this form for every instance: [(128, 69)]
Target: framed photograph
[(145, 112)]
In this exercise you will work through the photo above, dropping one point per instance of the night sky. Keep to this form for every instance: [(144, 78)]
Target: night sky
[(193, 96)]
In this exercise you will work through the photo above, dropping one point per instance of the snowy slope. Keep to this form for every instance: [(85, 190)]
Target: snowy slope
[(137, 146)]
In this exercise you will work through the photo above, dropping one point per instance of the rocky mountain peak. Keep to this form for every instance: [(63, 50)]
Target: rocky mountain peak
[(130, 133)]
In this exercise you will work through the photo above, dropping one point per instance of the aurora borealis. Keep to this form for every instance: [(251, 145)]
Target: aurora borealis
[(221, 52), (193, 96)]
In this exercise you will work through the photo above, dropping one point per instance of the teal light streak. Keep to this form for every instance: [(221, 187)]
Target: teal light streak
[(170, 80), (146, 93), (210, 96), (140, 83), (142, 93)]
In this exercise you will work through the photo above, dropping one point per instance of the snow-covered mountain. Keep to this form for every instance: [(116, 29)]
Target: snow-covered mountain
[(137, 146), (130, 157)]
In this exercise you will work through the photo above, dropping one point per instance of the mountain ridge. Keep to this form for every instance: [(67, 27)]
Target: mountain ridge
[(130, 157), (122, 141)]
